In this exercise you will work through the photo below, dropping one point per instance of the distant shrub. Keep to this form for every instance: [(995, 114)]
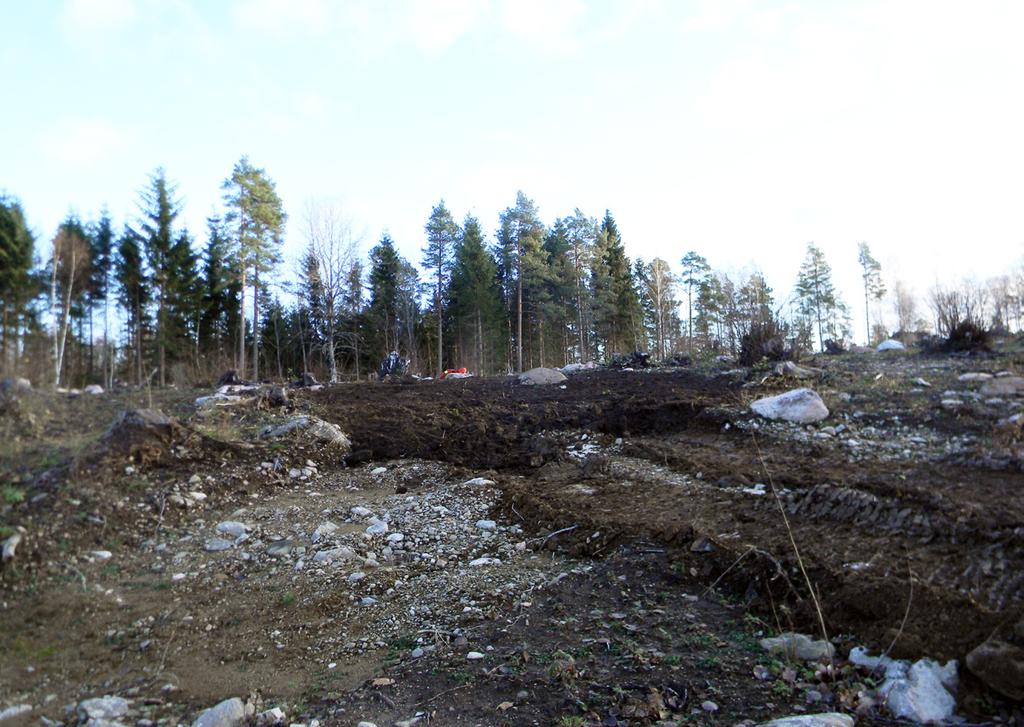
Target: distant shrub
[(766, 340), (968, 336)]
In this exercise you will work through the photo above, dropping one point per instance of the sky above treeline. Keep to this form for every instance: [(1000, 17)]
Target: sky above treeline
[(739, 129)]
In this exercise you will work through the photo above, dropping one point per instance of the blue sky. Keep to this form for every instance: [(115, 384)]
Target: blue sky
[(739, 129)]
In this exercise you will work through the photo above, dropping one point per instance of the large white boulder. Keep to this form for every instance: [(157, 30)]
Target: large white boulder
[(541, 375), (890, 345), (314, 429), (800, 406)]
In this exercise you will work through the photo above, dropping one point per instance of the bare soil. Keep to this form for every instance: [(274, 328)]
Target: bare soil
[(645, 528)]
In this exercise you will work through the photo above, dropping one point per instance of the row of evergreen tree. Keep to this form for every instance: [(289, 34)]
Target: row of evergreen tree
[(148, 304)]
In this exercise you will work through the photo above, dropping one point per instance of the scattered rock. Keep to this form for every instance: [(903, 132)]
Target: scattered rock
[(541, 376), (486, 524), (377, 527), (709, 706), (229, 713), (484, 561), (15, 710), (825, 719), (798, 646), (10, 545), (788, 368), (281, 548), (360, 511), (1004, 386), (105, 709), (974, 376), (232, 527), (214, 545), (15, 385), (314, 428), (890, 345), (335, 554), (474, 656), (801, 406), (274, 396), (479, 482), (270, 717), (1000, 665), (921, 692), (324, 531), (93, 389)]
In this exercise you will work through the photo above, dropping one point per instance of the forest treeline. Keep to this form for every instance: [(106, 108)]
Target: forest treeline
[(153, 302)]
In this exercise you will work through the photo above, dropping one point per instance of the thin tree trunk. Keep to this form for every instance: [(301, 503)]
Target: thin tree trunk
[(241, 328), (256, 322), (519, 306)]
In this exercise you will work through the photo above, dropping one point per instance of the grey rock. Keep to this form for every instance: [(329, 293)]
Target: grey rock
[(825, 719), (1004, 386), (974, 376), (232, 528), (229, 713), (788, 368), (93, 389), (214, 545), (798, 646), (890, 345), (10, 546), (1000, 665), (356, 577), (377, 527), (15, 710), (486, 524), (281, 548), (15, 385), (541, 376), (103, 708), (314, 429), (921, 692), (474, 656), (323, 531), (332, 555), (801, 406)]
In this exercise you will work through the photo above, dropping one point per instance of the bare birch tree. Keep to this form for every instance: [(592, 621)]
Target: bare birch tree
[(68, 278), (335, 249)]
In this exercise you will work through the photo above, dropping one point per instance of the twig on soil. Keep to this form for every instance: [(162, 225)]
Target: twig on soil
[(79, 573), (441, 694), (906, 613), (792, 539), (517, 514), (548, 537)]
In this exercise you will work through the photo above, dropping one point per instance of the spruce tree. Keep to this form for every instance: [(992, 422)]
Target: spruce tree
[(616, 303), (816, 294), (383, 311), (476, 297), (159, 210), (132, 292), (520, 236), (101, 242), (442, 231), (17, 284)]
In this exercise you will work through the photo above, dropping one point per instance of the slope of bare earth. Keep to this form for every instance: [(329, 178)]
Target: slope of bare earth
[(618, 566)]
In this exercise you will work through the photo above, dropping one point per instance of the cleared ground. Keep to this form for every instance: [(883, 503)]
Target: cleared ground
[(638, 547)]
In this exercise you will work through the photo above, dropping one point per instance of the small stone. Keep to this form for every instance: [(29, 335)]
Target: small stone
[(825, 719), (356, 577), (486, 524), (102, 554), (1000, 665), (229, 713), (798, 646), (474, 656), (484, 561), (478, 482), (378, 471), (214, 545), (377, 527), (709, 706), (360, 511), (103, 708), (232, 528), (15, 710), (417, 652), (323, 531)]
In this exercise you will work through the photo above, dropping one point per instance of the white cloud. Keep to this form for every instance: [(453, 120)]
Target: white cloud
[(437, 25), (550, 24), (93, 16), (84, 141), (282, 17)]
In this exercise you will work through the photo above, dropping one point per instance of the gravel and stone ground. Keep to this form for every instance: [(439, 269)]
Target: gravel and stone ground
[(604, 550)]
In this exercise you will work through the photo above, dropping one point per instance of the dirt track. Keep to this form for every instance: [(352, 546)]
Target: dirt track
[(863, 525), (905, 512)]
